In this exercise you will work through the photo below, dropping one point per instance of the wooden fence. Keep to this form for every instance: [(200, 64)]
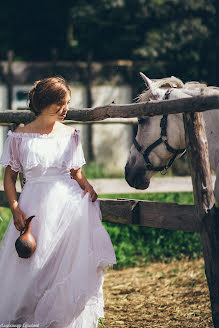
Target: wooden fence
[(202, 217)]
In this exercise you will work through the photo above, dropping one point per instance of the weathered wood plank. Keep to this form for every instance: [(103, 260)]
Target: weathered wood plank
[(197, 150), (143, 213), (168, 216), (117, 211), (191, 104), (151, 214)]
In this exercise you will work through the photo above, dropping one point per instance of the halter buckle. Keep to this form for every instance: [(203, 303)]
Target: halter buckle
[(149, 166), (164, 171), (164, 138)]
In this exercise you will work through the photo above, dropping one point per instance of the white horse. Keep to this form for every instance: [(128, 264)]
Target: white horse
[(161, 139)]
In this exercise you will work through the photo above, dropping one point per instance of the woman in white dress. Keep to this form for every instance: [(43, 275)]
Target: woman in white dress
[(60, 285)]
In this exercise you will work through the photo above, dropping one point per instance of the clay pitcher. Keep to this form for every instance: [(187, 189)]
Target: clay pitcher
[(26, 244)]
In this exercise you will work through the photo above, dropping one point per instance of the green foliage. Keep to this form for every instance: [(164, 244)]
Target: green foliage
[(93, 170), (138, 245), (135, 245), (95, 22), (169, 36), (5, 216)]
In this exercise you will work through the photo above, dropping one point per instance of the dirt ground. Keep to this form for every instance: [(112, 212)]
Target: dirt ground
[(157, 295)]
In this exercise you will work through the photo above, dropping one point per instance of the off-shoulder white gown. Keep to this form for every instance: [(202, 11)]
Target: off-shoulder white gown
[(60, 285)]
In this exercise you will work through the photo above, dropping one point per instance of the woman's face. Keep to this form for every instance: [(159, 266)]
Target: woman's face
[(58, 112)]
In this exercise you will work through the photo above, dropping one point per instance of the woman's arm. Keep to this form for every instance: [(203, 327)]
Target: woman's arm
[(83, 183), (10, 178)]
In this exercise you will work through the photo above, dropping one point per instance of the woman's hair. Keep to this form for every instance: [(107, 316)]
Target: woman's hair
[(46, 92)]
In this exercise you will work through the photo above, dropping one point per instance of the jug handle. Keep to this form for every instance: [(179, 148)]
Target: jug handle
[(26, 224)]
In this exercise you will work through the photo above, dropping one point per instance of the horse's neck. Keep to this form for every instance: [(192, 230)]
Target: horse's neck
[(199, 90), (176, 134), (211, 119)]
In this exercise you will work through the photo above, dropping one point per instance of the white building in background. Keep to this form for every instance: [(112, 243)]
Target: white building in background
[(111, 141)]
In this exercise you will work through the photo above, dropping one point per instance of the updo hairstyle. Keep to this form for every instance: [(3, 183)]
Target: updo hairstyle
[(46, 92)]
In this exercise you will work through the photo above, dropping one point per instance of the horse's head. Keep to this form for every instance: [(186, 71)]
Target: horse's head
[(159, 139)]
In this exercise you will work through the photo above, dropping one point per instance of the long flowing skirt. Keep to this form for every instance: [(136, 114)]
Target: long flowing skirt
[(60, 285)]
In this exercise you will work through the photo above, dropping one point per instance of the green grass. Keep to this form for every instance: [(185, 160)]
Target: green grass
[(5, 216), (169, 197), (135, 245)]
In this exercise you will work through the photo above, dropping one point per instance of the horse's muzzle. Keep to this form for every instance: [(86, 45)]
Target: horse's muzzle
[(136, 178)]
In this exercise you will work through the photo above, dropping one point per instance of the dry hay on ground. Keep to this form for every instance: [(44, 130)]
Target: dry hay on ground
[(158, 295)]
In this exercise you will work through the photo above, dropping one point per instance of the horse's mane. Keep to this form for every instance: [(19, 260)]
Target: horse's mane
[(192, 88)]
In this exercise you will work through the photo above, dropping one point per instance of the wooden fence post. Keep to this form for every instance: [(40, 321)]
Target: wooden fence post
[(197, 149), (88, 85)]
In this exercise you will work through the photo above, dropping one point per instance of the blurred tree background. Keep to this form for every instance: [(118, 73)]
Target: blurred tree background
[(168, 37)]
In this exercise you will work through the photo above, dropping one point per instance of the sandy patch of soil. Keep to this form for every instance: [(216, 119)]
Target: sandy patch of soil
[(157, 295)]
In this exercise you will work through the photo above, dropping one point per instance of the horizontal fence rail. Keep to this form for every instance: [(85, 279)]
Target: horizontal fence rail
[(152, 108), (169, 216)]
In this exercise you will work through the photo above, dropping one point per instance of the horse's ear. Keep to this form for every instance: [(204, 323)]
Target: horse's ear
[(147, 81)]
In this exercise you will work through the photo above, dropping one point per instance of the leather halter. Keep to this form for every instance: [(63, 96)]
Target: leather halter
[(163, 139)]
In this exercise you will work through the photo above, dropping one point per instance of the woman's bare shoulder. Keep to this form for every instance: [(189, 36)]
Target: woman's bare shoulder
[(20, 128)]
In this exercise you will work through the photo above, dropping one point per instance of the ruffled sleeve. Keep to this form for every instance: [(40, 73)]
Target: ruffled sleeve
[(10, 155), (76, 154)]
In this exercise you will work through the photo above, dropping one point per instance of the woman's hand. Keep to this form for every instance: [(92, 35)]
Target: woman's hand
[(91, 191), (19, 218), (83, 183)]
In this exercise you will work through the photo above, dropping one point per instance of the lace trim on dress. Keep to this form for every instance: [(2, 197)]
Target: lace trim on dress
[(66, 153), (44, 135), (15, 166), (10, 155)]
